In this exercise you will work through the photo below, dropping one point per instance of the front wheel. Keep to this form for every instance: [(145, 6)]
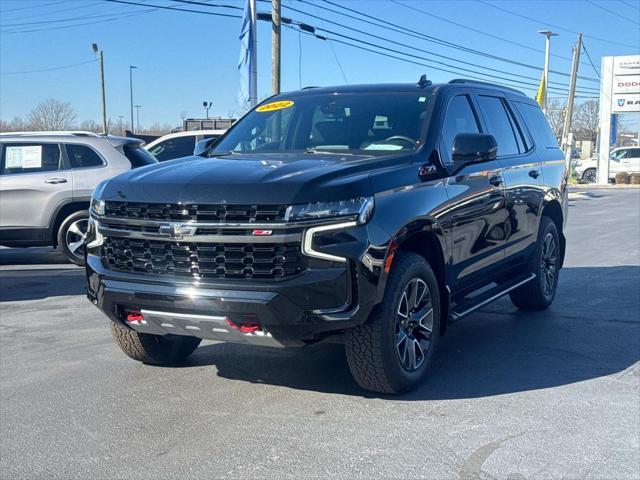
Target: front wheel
[(590, 175), (539, 293), (153, 349), (392, 351)]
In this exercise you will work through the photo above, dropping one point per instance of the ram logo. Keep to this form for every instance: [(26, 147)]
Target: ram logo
[(176, 230), (621, 102)]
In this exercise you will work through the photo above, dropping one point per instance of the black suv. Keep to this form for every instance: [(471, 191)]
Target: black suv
[(370, 215)]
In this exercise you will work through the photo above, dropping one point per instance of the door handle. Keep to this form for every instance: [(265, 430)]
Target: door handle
[(495, 180), (534, 173), (55, 180)]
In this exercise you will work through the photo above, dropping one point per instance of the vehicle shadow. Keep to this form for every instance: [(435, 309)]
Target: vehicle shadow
[(592, 330), (36, 284), (31, 256)]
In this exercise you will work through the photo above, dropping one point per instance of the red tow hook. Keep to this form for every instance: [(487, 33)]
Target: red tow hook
[(135, 317), (249, 328)]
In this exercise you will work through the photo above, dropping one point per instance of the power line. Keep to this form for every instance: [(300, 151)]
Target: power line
[(616, 14), (307, 29), (557, 27), (44, 14), (206, 4), (629, 4), (415, 34), (584, 48), (50, 4), (216, 14), (501, 75), (49, 69)]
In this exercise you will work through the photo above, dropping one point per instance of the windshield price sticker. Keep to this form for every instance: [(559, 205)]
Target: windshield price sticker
[(270, 107), (24, 157)]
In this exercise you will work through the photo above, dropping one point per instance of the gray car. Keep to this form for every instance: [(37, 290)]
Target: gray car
[(46, 181)]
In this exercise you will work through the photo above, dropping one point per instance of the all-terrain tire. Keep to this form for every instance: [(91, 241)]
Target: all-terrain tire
[(371, 347), (534, 295), (153, 349)]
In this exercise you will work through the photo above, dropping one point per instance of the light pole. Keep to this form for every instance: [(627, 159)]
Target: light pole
[(207, 106), (131, 67), (137, 107), (548, 34), (98, 53)]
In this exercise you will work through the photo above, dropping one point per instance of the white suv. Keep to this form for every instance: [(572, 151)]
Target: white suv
[(46, 182), (623, 159)]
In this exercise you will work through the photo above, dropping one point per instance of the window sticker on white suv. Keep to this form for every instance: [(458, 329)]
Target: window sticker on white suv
[(24, 157)]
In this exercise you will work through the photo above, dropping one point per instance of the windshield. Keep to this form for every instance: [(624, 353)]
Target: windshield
[(347, 123)]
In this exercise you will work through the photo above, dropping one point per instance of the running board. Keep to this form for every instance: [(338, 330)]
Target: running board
[(461, 311)]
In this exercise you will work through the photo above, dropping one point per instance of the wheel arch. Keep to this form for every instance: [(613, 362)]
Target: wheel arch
[(423, 239), (62, 212)]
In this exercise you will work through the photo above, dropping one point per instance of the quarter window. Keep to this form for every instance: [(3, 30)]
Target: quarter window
[(174, 148), (538, 126), (500, 125), (30, 158), (81, 156), (458, 119)]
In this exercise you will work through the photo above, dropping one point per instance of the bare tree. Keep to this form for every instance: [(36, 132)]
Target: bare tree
[(555, 116), (51, 115), (15, 125), (90, 126), (586, 120)]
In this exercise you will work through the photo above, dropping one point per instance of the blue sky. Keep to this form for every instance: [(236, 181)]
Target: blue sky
[(185, 58)]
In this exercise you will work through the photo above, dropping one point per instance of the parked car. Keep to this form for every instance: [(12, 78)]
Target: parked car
[(623, 159), (180, 144), (370, 215), (46, 180)]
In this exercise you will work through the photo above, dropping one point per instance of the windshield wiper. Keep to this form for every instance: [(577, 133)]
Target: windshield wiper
[(330, 152)]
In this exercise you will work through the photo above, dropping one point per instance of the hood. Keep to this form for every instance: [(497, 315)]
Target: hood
[(248, 179)]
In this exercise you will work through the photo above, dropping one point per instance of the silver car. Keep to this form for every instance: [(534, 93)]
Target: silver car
[(46, 181)]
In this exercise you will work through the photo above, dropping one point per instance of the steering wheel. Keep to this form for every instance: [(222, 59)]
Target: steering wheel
[(401, 138)]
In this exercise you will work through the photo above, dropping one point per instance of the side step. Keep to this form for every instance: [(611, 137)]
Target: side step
[(473, 304)]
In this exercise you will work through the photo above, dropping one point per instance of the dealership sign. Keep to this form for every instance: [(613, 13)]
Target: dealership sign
[(625, 85)]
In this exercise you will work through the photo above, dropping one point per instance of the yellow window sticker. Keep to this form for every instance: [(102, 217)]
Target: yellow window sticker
[(270, 107)]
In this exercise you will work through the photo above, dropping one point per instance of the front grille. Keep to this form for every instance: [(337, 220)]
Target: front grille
[(203, 260), (215, 213)]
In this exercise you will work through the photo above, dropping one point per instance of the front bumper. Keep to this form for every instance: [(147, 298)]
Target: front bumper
[(291, 312)]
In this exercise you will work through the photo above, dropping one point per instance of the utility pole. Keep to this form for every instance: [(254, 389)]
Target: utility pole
[(98, 53), (566, 130), (275, 46), (253, 83), (138, 107), (131, 67), (547, 49)]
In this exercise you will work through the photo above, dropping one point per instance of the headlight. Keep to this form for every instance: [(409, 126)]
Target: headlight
[(358, 208), (97, 206)]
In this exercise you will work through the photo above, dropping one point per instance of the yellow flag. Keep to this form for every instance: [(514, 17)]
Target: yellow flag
[(540, 96)]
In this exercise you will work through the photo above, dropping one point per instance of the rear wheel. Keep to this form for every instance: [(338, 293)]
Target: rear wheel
[(539, 293), (392, 351), (153, 349), (71, 236), (589, 175)]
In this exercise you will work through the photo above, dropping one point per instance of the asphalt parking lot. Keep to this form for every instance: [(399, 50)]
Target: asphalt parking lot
[(514, 395)]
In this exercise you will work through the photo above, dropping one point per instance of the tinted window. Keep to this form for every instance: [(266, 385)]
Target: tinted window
[(29, 158), (458, 119), (350, 122), (634, 152), (620, 154), (174, 148), (81, 156), (499, 125), (538, 126), (138, 156)]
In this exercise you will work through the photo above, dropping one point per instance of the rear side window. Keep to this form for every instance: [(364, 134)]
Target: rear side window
[(81, 156), (458, 119), (174, 148), (500, 125), (634, 152), (30, 158), (138, 156), (538, 126)]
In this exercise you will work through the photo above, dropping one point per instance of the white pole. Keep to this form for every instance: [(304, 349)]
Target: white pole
[(253, 74), (606, 87)]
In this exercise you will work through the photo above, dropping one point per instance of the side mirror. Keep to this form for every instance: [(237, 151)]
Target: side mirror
[(474, 147), (203, 146)]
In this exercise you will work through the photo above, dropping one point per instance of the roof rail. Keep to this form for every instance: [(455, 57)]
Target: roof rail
[(78, 133), (488, 84), (310, 86)]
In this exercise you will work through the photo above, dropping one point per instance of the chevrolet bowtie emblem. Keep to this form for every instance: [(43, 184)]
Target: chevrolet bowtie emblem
[(176, 230)]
